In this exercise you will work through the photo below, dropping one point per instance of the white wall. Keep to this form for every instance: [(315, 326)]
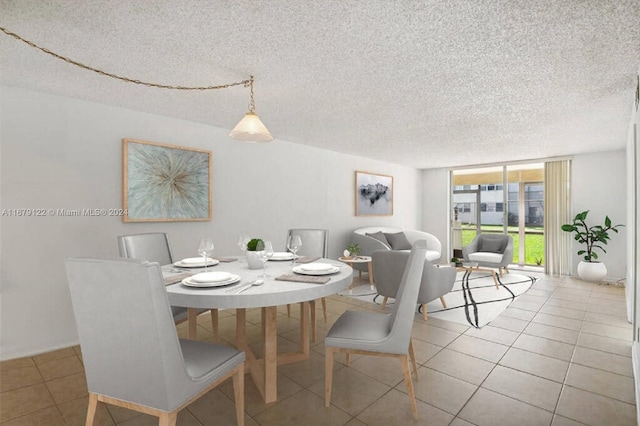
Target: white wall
[(65, 153), (598, 185)]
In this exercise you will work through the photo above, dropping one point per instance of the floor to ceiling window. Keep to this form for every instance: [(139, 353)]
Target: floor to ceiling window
[(501, 199)]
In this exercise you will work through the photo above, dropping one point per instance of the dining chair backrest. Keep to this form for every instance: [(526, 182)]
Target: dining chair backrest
[(129, 343), (315, 242), (153, 247), (404, 309)]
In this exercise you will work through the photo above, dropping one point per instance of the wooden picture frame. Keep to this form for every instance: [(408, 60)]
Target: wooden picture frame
[(373, 194), (165, 183)]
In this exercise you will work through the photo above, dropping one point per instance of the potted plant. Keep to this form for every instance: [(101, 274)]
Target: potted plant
[(252, 259), (353, 249), (456, 262), (593, 237)]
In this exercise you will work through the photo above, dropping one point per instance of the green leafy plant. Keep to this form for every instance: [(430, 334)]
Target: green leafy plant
[(251, 245), (538, 261), (353, 249), (455, 260), (593, 237)]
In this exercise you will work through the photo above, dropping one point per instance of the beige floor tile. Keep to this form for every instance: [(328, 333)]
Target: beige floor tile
[(596, 410), (571, 295), (75, 413), (68, 388), (25, 400), (253, 401), (602, 382), (50, 356), (384, 369), (17, 363), (605, 344), (487, 408), (493, 334), (608, 320), (512, 324), (434, 335), (479, 348), (562, 303), (552, 333), (536, 364), (60, 368), (607, 310), (303, 408), (603, 360), (459, 422), (394, 409), (526, 305), (424, 350), (606, 303), (464, 367), (307, 372), (544, 346), (563, 421), (352, 391), (46, 417), (443, 391), (563, 312), (524, 387), (447, 325), (556, 321), (214, 408), (15, 378), (516, 313), (608, 331)]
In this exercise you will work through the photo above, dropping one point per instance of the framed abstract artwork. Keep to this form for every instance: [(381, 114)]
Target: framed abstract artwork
[(165, 183), (374, 194)]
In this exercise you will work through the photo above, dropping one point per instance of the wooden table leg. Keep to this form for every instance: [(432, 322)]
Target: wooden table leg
[(192, 320), (270, 354)]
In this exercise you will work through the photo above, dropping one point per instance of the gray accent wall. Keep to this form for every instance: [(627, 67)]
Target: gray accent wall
[(64, 153)]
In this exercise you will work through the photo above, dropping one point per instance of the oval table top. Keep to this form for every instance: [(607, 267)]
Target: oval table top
[(272, 293)]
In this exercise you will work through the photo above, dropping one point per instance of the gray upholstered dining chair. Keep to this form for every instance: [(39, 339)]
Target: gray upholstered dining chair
[(315, 243), (155, 247), (386, 334), (490, 250), (388, 267), (131, 352)]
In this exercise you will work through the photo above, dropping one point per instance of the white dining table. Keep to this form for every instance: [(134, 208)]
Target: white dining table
[(268, 297)]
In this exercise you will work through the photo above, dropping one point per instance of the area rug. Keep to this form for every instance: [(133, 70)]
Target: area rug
[(474, 299)]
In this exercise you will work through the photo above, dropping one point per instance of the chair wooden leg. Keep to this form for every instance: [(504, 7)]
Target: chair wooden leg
[(384, 302), (328, 375), (91, 409), (424, 311), (412, 355), (168, 419), (348, 359), (288, 311), (406, 372), (192, 320), (444, 303), (214, 325), (324, 308), (238, 392), (312, 308)]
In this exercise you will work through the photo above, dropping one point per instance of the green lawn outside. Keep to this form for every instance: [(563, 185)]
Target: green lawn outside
[(534, 243)]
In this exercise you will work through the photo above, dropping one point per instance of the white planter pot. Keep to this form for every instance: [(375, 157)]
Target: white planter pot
[(253, 260), (592, 271)]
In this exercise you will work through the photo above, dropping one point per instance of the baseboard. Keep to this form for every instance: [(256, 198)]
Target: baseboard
[(635, 353)]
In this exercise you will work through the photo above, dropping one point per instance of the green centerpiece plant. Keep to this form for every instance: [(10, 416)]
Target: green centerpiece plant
[(592, 238), (253, 260)]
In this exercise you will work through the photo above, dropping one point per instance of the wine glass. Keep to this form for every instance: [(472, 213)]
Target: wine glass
[(264, 251), (294, 242), (243, 239), (205, 249)]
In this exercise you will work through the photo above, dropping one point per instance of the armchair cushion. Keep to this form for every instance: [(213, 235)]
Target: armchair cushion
[(398, 241), (492, 246), (380, 236)]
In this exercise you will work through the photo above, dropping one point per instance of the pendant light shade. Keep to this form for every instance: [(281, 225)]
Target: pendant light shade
[(251, 129)]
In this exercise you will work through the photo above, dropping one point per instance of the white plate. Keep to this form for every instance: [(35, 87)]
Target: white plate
[(233, 279), (317, 267), (299, 270), (282, 255), (210, 277), (195, 262)]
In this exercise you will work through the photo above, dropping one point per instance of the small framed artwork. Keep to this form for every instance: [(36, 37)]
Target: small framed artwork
[(165, 183), (374, 194)]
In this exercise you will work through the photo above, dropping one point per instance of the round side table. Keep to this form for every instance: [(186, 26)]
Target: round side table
[(361, 259)]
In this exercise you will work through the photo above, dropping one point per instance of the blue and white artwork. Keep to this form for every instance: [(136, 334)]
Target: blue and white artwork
[(374, 194), (165, 182)]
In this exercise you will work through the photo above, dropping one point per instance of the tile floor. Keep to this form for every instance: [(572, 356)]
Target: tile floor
[(559, 355)]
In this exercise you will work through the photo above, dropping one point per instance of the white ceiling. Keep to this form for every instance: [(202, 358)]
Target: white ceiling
[(421, 83)]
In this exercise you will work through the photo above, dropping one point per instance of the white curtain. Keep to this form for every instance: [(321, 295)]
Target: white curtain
[(557, 211)]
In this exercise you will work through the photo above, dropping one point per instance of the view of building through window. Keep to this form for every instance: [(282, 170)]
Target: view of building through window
[(501, 199)]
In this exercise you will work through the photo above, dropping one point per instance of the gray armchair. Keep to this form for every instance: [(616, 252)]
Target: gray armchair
[(387, 271), (490, 251), (130, 348)]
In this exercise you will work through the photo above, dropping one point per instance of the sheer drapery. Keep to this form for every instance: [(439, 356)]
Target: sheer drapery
[(557, 211)]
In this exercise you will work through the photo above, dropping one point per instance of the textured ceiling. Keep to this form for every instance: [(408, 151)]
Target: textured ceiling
[(421, 83)]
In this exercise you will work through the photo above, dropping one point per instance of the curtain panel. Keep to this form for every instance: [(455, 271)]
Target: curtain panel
[(557, 211)]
